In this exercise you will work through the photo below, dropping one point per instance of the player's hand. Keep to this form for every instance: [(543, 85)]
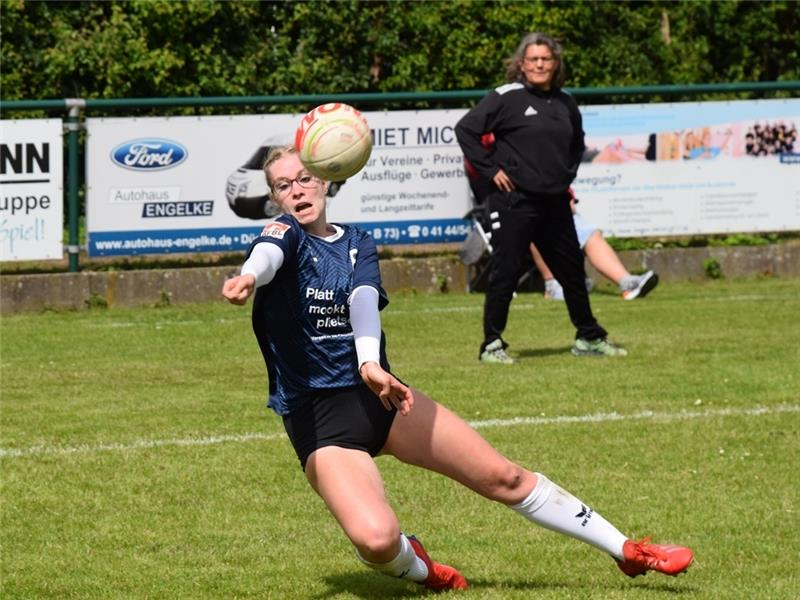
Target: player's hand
[(239, 288), (502, 181), (386, 387)]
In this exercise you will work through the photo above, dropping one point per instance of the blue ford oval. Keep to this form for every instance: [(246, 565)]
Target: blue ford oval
[(149, 154)]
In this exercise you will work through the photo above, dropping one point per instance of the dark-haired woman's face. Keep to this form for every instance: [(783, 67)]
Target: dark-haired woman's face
[(538, 66)]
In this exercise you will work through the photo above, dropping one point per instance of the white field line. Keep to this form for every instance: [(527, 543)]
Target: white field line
[(647, 415), (41, 450)]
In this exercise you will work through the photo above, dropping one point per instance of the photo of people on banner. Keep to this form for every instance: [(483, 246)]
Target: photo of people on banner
[(771, 138)]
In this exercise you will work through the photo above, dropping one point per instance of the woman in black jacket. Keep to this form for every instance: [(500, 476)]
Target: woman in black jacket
[(539, 142)]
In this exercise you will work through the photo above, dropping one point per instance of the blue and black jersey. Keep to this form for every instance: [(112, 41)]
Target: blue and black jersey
[(302, 318)]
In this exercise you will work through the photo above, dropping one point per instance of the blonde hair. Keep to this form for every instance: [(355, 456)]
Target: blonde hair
[(279, 152), (274, 155), (514, 62)]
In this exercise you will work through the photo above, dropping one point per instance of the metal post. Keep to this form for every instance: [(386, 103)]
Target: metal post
[(73, 126)]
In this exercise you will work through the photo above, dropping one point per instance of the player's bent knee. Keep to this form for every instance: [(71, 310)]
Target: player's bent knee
[(375, 542)]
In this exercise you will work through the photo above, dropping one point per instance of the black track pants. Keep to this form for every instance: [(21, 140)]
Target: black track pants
[(516, 220)]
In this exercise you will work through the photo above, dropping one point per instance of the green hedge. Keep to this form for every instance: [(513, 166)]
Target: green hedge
[(157, 48)]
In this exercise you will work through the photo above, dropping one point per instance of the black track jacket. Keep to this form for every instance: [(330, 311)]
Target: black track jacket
[(539, 137)]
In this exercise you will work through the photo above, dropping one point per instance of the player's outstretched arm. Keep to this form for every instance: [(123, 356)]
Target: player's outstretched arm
[(387, 387), (238, 289)]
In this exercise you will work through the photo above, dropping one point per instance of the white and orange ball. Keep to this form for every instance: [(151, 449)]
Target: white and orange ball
[(333, 141)]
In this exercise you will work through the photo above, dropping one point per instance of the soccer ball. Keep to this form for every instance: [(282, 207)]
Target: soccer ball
[(333, 141)]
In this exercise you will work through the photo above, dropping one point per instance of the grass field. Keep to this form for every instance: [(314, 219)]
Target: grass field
[(138, 459)]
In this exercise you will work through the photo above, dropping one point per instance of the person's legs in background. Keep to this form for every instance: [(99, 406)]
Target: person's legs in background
[(557, 241), (603, 258), (552, 289)]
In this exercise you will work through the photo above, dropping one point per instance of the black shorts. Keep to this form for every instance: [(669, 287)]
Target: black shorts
[(351, 417)]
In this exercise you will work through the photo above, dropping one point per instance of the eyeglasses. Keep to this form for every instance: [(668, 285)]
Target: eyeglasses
[(535, 59), (283, 187)]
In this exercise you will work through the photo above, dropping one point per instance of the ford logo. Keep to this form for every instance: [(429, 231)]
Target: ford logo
[(149, 154)]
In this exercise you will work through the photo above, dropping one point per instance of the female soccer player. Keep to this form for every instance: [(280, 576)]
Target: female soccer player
[(316, 317)]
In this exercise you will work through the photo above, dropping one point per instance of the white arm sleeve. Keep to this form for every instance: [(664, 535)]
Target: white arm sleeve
[(263, 262), (366, 323)]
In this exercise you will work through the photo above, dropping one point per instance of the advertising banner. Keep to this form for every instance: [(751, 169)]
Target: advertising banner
[(31, 179), (691, 168), (194, 184)]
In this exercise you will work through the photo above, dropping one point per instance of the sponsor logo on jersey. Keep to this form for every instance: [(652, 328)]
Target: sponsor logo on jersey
[(530, 111), (275, 230), (149, 154)]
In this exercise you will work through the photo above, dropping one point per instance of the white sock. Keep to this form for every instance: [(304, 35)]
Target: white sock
[(405, 565), (552, 507)]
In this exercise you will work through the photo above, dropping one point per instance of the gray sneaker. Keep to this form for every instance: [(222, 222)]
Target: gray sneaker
[(601, 347), (495, 353), (640, 287)]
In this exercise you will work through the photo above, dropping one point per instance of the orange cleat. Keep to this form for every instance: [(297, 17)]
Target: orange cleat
[(440, 577), (642, 556)]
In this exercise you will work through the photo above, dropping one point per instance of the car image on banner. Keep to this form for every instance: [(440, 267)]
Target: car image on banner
[(246, 189)]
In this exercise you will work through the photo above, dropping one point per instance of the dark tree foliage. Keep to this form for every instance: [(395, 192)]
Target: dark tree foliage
[(166, 48)]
